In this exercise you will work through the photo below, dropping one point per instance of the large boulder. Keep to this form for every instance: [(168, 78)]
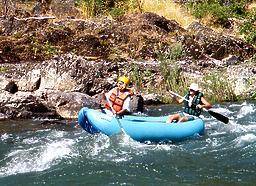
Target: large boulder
[(243, 79), (66, 104), (217, 45)]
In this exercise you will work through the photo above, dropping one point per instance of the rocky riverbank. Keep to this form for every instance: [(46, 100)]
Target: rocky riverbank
[(54, 67)]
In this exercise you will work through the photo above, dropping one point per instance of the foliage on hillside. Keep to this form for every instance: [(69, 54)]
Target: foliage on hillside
[(221, 13), (239, 16), (92, 8)]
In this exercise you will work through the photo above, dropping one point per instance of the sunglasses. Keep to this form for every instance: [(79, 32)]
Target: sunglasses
[(120, 83)]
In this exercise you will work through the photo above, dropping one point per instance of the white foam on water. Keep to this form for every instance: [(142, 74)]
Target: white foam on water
[(126, 141), (222, 110), (104, 148), (218, 133), (237, 128), (164, 147), (99, 145), (143, 148), (130, 148), (36, 158), (95, 147), (212, 143), (251, 128), (31, 141), (245, 110), (4, 136), (245, 140), (238, 105)]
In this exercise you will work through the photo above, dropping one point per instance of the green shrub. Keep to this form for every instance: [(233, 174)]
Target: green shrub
[(221, 10), (218, 87), (249, 28), (171, 72), (210, 8), (117, 11), (92, 8), (48, 49), (254, 95), (137, 77), (39, 48), (253, 59), (3, 69)]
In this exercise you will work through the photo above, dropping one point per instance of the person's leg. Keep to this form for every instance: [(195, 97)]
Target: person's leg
[(173, 117), (183, 119), (186, 118)]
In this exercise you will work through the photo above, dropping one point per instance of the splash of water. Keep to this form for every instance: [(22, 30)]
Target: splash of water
[(37, 157), (245, 140), (245, 110)]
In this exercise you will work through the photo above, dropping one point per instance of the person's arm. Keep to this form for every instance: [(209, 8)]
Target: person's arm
[(108, 94), (205, 104), (104, 99), (126, 106), (177, 99)]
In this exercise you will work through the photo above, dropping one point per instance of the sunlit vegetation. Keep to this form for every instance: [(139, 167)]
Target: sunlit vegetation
[(218, 87), (214, 13), (215, 84), (221, 12), (42, 48), (168, 9), (94, 8), (169, 69)]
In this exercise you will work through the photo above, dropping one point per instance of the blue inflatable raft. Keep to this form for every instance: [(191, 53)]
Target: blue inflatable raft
[(139, 128)]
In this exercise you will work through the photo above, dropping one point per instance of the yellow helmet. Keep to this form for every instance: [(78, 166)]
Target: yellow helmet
[(124, 79)]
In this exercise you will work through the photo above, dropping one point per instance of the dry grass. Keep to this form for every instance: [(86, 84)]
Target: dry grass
[(251, 6), (169, 10)]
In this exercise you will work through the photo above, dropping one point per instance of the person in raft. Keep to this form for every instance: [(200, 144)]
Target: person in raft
[(194, 102), (118, 99)]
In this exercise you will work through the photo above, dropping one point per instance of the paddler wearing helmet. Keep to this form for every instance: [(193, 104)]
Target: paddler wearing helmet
[(119, 98), (194, 101)]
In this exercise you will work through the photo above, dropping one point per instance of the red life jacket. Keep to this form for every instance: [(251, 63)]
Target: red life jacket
[(117, 100)]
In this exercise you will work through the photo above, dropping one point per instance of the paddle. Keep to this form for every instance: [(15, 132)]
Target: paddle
[(216, 115)]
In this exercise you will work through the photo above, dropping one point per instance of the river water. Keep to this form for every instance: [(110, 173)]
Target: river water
[(43, 152)]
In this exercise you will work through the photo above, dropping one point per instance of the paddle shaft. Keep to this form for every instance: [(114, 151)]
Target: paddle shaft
[(112, 109)]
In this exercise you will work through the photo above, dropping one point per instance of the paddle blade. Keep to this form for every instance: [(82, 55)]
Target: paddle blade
[(218, 116)]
